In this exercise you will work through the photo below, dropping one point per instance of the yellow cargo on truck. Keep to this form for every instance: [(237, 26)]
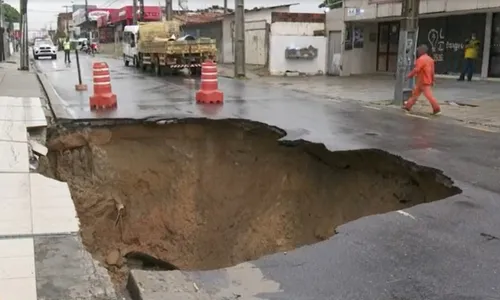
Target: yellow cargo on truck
[(156, 46)]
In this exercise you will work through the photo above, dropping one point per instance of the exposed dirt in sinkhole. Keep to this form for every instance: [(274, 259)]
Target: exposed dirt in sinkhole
[(210, 194)]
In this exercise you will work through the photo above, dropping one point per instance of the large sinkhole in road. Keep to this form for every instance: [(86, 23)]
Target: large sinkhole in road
[(210, 194)]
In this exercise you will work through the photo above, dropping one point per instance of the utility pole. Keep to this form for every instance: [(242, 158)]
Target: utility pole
[(134, 12), (2, 14), (239, 38), (86, 11), (24, 35), (225, 6), (408, 37), (141, 10), (67, 7), (4, 31), (169, 11)]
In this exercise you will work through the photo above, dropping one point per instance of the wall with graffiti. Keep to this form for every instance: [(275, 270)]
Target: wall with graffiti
[(446, 36)]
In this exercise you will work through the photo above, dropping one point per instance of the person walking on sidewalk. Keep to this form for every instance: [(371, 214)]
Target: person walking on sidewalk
[(424, 71), (470, 57), (67, 50)]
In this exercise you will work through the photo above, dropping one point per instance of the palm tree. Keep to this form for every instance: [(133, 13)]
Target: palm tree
[(331, 4)]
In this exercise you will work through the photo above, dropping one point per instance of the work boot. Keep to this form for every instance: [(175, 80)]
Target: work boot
[(436, 112)]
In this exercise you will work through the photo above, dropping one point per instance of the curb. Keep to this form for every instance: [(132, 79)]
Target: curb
[(56, 104)]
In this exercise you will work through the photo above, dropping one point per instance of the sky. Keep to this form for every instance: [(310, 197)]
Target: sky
[(43, 13)]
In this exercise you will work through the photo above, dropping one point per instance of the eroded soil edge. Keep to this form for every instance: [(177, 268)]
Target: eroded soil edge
[(210, 194)]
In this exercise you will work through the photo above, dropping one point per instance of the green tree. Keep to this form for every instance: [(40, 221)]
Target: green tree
[(331, 4), (11, 14)]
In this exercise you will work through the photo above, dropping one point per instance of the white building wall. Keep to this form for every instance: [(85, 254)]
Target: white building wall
[(334, 22), (368, 10), (296, 35), (227, 29), (256, 42), (361, 60), (295, 28), (357, 60)]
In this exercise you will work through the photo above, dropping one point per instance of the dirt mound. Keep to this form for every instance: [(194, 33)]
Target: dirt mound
[(211, 194)]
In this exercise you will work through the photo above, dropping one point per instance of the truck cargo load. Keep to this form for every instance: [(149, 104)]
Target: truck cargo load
[(148, 31), (155, 45)]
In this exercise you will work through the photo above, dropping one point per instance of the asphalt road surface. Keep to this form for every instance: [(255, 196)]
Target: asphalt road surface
[(446, 250)]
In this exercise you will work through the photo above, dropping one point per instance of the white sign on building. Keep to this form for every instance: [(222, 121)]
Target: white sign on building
[(352, 11), (96, 14), (79, 16)]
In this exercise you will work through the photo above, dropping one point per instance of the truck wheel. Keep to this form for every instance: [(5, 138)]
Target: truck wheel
[(125, 61), (158, 69), (136, 62), (195, 71)]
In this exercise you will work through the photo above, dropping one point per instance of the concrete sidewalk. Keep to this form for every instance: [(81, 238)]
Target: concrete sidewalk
[(472, 104), (41, 256)]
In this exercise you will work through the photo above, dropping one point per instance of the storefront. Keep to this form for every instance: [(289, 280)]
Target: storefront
[(387, 46), (151, 13), (106, 26), (445, 37), (87, 22), (494, 65)]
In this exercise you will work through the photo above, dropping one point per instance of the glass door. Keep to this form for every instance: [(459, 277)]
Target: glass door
[(387, 46)]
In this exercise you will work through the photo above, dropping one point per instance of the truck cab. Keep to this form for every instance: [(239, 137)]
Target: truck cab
[(129, 43)]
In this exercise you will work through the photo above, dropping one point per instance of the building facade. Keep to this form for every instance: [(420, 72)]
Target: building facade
[(366, 33), (110, 26), (257, 33), (257, 28), (65, 22), (86, 20)]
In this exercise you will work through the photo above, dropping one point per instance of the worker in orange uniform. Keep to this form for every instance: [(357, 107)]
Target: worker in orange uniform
[(424, 71)]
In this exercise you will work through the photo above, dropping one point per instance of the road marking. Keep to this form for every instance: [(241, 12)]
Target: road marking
[(404, 213), (372, 107), (480, 128), (417, 116)]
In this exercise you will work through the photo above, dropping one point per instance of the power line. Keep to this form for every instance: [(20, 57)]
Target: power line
[(45, 11), (111, 2)]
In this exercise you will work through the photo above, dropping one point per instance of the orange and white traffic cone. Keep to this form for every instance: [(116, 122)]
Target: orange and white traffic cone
[(209, 89), (103, 97)]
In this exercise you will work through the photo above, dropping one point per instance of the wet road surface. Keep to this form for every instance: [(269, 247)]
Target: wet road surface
[(440, 252)]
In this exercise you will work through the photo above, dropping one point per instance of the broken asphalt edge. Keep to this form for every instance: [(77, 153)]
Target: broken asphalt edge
[(98, 277), (134, 120), (55, 102)]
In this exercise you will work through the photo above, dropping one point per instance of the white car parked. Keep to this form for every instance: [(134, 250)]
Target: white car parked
[(44, 47)]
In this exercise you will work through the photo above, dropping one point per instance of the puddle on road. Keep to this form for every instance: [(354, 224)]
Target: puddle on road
[(206, 194)]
